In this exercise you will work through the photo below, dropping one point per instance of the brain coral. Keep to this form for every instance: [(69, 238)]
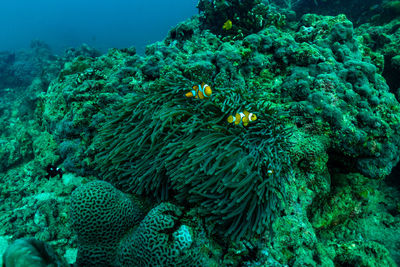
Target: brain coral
[(160, 241), (101, 215), (109, 234)]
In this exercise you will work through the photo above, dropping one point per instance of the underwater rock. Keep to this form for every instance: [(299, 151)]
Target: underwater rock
[(382, 45), (29, 252)]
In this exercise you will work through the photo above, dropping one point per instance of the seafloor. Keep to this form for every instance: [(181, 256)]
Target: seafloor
[(254, 134)]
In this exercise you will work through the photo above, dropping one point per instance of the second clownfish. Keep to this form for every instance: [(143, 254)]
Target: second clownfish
[(200, 91), (244, 117)]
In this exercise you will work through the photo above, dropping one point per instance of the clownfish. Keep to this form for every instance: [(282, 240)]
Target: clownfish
[(200, 91), (245, 117), (227, 25)]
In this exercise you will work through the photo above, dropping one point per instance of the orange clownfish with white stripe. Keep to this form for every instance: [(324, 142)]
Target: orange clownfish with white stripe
[(244, 117), (202, 91)]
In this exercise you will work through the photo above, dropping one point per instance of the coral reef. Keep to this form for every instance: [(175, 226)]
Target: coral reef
[(309, 168), (358, 11), (382, 45), (34, 207), (152, 138), (31, 205), (19, 69), (351, 98), (346, 218), (245, 16), (73, 107)]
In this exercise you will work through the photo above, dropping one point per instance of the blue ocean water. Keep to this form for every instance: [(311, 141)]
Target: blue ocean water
[(101, 24)]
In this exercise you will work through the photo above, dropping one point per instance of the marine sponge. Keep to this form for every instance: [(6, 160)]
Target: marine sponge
[(159, 142), (159, 242), (101, 215)]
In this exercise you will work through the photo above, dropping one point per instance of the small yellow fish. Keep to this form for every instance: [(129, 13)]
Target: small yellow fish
[(227, 25), (202, 91), (244, 117)]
